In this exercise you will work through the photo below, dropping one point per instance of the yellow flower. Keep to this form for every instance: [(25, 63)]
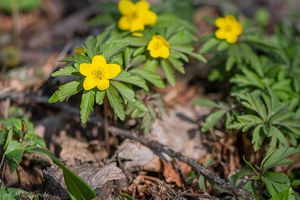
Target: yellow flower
[(158, 47), (229, 28), (98, 73), (135, 16)]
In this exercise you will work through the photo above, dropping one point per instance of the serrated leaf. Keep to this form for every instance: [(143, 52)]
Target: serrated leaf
[(128, 77), (151, 65), (169, 72), (205, 102), (126, 92), (213, 119), (177, 64), (139, 51), (65, 71), (275, 182), (87, 104), (99, 96), (208, 45), (136, 41), (78, 58), (278, 157), (285, 195), (222, 46), (116, 102), (91, 47), (149, 76), (257, 138), (112, 49), (189, 50), (277, 136), (65, 91)]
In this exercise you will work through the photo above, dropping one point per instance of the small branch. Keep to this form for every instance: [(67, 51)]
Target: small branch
[(106, 125), (159, 148)]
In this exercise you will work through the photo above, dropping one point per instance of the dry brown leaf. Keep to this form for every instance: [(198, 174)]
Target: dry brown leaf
[(170, 174)]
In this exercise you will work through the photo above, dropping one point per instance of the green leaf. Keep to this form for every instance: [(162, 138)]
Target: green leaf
[(139, 51), (78, 58), (257, 138), (277, 136), (201, 184), (205, 102), (188, 50), (112, 49), (208, 45), (222, 46), (177, 64), (149, 76), (116, 102), (76, 186), (128, 77), (151, 65), (14, 153), (285, 195), (126, 92), (212, 120), (245, 122), (23, 5), (136, 41), (65, 71), (275, 182), (169, 72), (91, 47), (99, 96), (65, 91), (87, 104), (5, 194), (278, 157)]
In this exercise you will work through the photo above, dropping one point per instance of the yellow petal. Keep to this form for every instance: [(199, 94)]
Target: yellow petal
[(124, 24), (151, 45), (137, 34), (231, 38), (125, 7), (89, 83), (154, 53), (221, 34), (237, 29), (86, 68), (103, 84), (142, 5), (164, 52), (220, 22), (99, 60), (137, 25), (150, 18), (111, 71)]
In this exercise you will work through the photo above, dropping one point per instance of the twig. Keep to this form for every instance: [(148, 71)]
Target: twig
[(156, 147), (159, 148), (105, 125), (35, 98)]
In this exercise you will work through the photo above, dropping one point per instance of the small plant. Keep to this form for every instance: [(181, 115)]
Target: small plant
[(263, 100), (16, 139), (124, 59)]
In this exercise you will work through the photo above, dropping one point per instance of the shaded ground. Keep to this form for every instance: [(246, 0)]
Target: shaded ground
[(45, 37)]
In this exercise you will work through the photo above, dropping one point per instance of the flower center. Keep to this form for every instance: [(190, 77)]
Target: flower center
[(158, 45), (228, 28), (97, 75), (133, 15)]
